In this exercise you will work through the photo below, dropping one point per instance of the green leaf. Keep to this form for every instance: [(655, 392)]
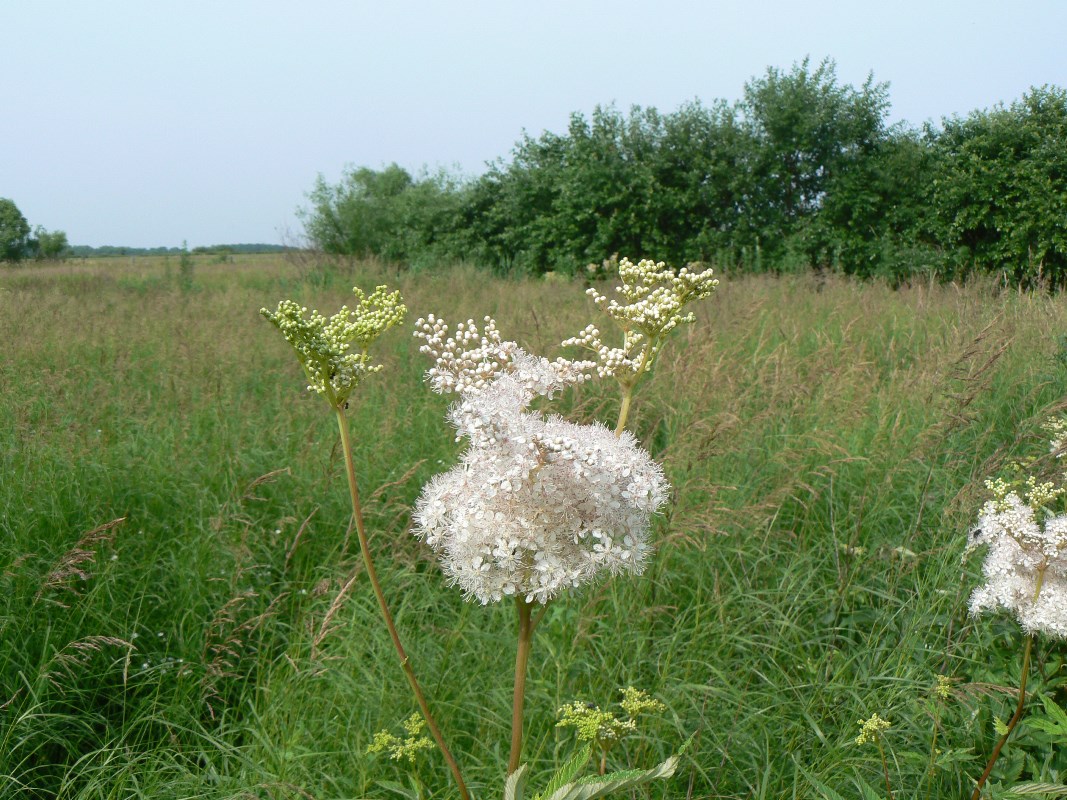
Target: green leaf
[(1054, 722), (602, 785), (1030, 789), (824, 790), (867, 790), (566, 773), (515, 784)]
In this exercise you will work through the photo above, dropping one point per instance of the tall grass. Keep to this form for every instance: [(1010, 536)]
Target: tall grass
[(826, 442)]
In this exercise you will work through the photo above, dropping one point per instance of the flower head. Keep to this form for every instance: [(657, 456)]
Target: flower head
[(871, 729), (654, 296), (333, 351), (1026, 563), (1057, 426), (536, 505), (406, 748)]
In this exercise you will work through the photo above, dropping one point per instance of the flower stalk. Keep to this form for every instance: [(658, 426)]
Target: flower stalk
[(387, 617), (1018, 715), (522, 657), (334, 353)]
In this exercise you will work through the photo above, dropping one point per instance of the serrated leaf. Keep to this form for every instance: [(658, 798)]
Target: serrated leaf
[(1054, 722), (1031, 789), (515, 784), (566, 773), (602, 785), (1000, 726)]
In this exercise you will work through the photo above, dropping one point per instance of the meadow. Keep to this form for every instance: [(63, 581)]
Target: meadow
[(174, 536)]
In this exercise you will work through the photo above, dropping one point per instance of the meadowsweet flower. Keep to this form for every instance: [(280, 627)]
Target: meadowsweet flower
[(1026, 564), (406, 748), (654, 296), (333, 351), (536, 505), (871, 729), (595, 725), (1057, 426)]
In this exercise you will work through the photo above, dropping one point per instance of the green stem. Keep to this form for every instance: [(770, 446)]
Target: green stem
[(405, 662), (624, 409), (522, 656), (933, 746), (628, 389)]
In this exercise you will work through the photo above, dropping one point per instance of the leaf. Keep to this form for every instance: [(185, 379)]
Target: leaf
[(1027, 789), (826, 792), (1054, 722), (515, 784), (566, 773), (398, 788), (601, 785), (867, 790), (1000, 726)]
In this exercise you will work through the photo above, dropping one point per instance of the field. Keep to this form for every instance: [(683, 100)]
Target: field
[(826, 442)]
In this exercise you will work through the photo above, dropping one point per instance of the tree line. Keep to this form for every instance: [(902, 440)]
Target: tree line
[(802, 172), (18, 241)]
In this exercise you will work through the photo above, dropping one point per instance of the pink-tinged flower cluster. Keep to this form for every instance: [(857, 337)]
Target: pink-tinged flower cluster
[(536, 505), (1025, 567)]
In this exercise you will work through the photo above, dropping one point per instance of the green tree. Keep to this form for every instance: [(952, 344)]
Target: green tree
[(999, 198), (358, 215), (807, 130), (14, 232), (49, 245)]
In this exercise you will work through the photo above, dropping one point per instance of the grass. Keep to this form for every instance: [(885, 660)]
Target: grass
[(826, 442)]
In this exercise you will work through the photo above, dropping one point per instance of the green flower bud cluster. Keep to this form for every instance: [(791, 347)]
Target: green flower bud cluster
[(1038, 496), (653, 297), (334, 351), (408, 747), (593, 724)]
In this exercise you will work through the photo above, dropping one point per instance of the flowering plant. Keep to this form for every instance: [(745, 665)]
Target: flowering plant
[(1025, 566), (537, 504)]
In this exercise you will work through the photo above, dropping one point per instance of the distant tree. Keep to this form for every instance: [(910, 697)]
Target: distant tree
[(14, 232), (358, 215), (49, 245)]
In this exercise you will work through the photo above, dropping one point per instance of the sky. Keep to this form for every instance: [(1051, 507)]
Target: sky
[(152, 123)]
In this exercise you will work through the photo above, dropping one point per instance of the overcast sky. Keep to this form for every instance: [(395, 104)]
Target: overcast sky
[(149, 123)]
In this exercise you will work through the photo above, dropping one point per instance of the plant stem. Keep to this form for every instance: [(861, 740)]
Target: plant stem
[(885, 769), (522, 656), (1014, 720), (628, 390), (624, 409), (405, 662), (933, 746)]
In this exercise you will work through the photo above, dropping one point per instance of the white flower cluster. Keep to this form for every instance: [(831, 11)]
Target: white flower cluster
[(535, 505), (1057, 426), (468, 361), (1025, 567), (325, 346), (654, 296)]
